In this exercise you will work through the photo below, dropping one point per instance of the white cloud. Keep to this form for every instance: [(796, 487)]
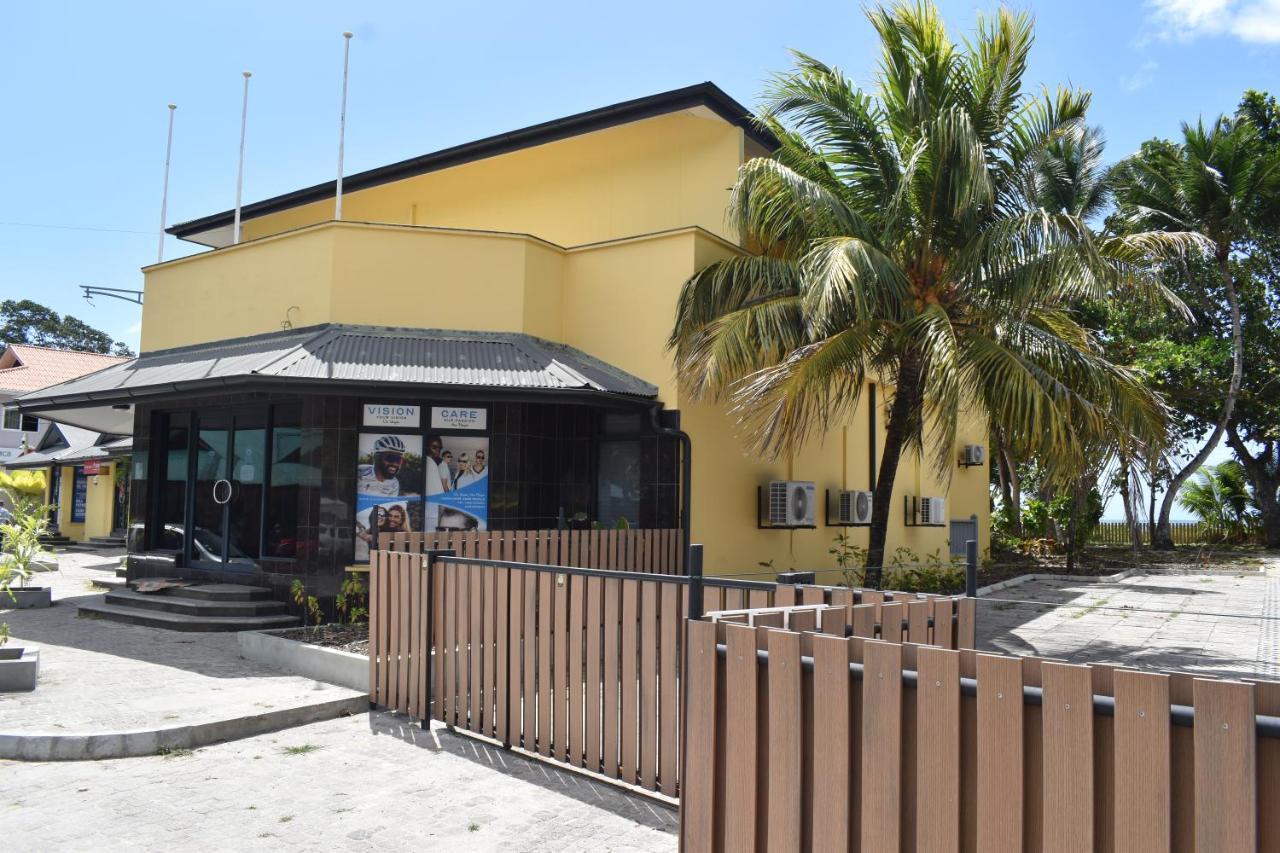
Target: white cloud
[(1141, 78), (1247, 20)]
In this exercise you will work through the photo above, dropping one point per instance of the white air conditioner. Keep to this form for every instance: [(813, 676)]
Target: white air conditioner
[(792, 503), (853, 507), (933, 511), (974, 454)]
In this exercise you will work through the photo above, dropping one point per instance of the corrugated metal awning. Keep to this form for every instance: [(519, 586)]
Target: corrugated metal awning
[(363, 355)]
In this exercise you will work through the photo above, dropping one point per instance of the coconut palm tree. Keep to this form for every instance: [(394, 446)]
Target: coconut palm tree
[(1219, 183), (1219, 496), (898, 238)]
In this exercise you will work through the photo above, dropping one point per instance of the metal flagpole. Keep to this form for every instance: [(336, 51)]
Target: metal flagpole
[(342, 122), (164, 196), (244, 117)]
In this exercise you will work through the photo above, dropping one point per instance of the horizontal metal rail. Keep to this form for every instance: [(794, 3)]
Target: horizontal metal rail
[(1180, 715), (561, 570)]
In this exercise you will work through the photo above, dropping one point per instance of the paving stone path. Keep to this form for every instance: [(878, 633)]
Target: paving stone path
[(98, 676), (1216, 624), (359, 783)]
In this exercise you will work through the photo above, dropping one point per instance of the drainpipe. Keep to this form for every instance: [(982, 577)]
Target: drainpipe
[(672, 430)]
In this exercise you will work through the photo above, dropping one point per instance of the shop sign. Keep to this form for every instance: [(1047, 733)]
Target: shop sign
[(459, 417), (92, 468), (392, 415)]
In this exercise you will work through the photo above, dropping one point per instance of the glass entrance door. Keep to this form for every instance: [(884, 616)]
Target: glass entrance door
[(230, 463)]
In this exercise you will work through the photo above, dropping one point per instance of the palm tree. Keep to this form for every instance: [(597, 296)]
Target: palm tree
[(1219, 496), (898, 239), (1219, 182)]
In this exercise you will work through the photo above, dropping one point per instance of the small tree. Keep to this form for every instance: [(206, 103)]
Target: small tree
[(20, 534)]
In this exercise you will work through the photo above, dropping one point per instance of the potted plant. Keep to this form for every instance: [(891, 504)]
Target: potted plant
[(25, 521)]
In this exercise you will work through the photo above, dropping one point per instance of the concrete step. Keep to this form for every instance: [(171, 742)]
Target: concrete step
[(110, 583), (107, 541), (183, 621), (195, 606), (221, 592)]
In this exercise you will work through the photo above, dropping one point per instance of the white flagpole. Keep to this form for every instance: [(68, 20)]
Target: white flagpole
[(164, 196), (244, 117), (342, 122)]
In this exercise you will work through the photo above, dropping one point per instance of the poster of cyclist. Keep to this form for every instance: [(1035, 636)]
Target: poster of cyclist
[(391, 479)]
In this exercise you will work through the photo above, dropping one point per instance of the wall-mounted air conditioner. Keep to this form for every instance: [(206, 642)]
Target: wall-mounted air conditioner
[(933, 511), (853, 507), (974, 454), (791, 503)]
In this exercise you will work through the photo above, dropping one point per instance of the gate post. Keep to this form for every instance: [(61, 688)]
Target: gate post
[(971, 569), (695, 582), (428, 565)]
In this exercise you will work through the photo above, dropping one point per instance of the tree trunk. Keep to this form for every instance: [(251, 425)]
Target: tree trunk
[(907, 394), (1072, 523), (1151, 499), (1264, 473), (1126, 497), (1010, 487), (1162, 536)]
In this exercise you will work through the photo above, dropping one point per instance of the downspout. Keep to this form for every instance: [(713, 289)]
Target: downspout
[(686, 469)]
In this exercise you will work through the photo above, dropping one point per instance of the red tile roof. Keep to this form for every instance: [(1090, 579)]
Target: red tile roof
[(25, 367)]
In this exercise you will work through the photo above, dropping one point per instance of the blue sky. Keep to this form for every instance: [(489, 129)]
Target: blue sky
[(87, 84)]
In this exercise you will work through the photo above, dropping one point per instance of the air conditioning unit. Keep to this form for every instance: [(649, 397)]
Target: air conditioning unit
[(933, 511), (792, 503), (974, 454), (853, 507)]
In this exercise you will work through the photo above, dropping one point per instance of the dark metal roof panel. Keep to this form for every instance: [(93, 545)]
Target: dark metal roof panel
[(500, 360)]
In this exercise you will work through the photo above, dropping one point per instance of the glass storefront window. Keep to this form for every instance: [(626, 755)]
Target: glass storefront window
[(618, 483), (290, 473), (171, 499)]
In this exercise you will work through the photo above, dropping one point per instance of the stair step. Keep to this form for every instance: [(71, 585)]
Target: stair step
[(183, 621), (107, 541), (194, 606), (110, 583), (221, 592)]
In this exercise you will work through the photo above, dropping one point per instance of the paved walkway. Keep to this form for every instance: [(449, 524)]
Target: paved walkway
[(98, 676), (1216, 624), (358, 783)]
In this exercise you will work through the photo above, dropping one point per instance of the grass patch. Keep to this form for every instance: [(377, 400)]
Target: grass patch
[(473, 827), (301, 750), (286, 818), (175, 752)]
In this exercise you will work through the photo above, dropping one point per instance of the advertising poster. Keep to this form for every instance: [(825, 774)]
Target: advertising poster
[(459, 497), (390, 476)]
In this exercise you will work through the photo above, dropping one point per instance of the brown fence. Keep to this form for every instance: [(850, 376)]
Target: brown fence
[(817, 742), (1183, 532), (649, 551), (581, 666)]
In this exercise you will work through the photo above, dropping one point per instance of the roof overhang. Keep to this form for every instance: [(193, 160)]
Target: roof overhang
[(215, 230), (345, 360)]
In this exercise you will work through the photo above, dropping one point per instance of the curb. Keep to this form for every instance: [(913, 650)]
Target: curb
[(134, 744), (1021, 579)]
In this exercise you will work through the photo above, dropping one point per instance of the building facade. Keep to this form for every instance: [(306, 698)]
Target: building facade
[(509, 298), (85, 471)]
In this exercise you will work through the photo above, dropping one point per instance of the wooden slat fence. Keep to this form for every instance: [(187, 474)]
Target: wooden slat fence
[(578, 665), (1183, 532), (658, 551), (813, 741)]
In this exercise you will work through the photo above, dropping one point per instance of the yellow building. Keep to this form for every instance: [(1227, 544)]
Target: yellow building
[(508, 298)]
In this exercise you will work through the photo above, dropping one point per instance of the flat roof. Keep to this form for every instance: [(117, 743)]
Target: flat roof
[(706, 95)]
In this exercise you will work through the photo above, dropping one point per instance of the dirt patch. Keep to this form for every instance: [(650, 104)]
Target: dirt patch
[(347, 638), (1103, 560)]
